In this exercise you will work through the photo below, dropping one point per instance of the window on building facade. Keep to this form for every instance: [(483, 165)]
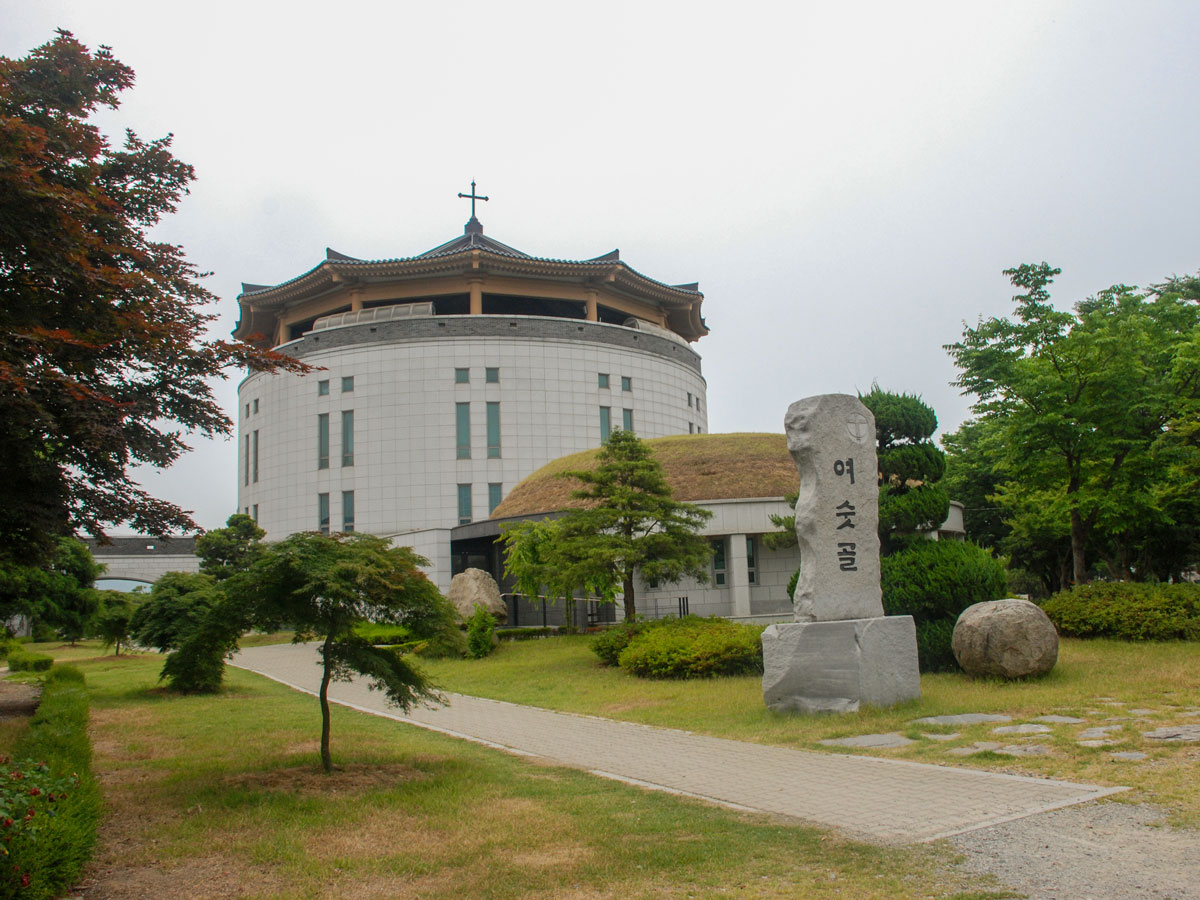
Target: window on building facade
[(751, 561), (246, 466), (247, 410), (347, 384), (491, 375), (323, 388), (462, 430), (495, 495), (462, 376), (347, 437), (627, 419), (254, 457), (347, 511), (718, 548), (256, 406), (323, 441), (626, 383), (691, 428), (605, 423), (602, 379), (464, 504), (689, 399), (254, 515), (323, 513), (493, 430)]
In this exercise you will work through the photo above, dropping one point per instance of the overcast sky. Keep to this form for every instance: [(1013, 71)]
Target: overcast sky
[(845, 180)]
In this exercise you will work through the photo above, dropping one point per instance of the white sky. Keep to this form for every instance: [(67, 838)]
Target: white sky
[(845, 180)]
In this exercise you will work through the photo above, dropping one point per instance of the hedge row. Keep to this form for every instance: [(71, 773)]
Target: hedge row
[(49, 801), (1134, 612), (691, 647), (24, 661)]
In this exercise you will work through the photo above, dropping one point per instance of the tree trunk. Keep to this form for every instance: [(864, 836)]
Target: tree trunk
[(1079, 533), (326, 759), (630, 607)]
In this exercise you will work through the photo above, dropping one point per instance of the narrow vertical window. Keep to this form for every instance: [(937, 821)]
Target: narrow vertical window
[(323, 388), (323, 441), (462, 376), (256, 406), (602, 379), (495, 495), (689, 399), (347, 437), (718, 548), (605, 424), (323, 513), (462, 430), (626, 383), (627, 419), (691, 428), (254, 514), (491, 375), (247, 410), (347, 384), (246, 467), (254, 457), (493, 430), (464, 504), (751, 565), (347, 511)]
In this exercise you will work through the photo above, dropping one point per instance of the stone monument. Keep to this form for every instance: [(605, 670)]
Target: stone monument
[(841, 651)]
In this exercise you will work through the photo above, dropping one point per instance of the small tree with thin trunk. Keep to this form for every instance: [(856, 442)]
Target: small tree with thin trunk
[(630, 524), (325, 585)]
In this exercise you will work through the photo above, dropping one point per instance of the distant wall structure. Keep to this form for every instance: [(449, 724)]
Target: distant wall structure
[(143, 559)]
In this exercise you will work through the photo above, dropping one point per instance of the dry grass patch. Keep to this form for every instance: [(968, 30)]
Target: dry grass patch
[(215, 877), (310, 780)]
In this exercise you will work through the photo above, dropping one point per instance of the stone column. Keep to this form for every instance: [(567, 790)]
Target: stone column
[(739, 575), (841, 651), (475, 285), (592, 312)]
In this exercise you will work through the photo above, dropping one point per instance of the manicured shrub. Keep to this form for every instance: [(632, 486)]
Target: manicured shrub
[(687, 649), (481, 633), (939, 579), (935, 651), (1133, 612), (524, 634), (609, 643), (49, 801), (8, 644), (24, 661)]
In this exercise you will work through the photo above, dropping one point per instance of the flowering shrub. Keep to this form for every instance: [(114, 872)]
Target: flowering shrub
[(30, 795)]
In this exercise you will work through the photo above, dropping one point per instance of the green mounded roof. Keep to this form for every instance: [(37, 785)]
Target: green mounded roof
[(698, 467)]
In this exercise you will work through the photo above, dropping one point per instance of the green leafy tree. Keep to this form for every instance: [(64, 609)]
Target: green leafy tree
[(630, 524), (112, 623), (531, 560), (178, 603), (56, 594), (326, 585), (1080, 402), (226, 551), (103, 364)]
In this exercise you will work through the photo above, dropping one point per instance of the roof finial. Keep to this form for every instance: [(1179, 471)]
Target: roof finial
[(474, 224)]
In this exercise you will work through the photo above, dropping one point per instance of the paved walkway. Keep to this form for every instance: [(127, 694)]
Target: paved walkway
[(885, 800)]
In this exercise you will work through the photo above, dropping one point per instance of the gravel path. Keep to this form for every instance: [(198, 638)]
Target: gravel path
[(1097, 851)]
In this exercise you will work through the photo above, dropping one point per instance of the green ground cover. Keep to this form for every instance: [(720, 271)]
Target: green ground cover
[(1094, 679), (222, 795)]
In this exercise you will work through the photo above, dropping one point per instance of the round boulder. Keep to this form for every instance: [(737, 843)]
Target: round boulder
[(1009, 638), (475, 587)]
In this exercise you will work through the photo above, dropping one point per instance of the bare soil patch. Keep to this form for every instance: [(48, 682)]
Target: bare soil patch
[(18, 699), (310, 780)]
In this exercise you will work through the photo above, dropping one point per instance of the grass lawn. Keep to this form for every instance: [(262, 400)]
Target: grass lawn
[(222, 796), (1097, 680)]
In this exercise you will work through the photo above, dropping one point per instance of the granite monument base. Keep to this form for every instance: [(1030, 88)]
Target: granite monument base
[(817, 667)]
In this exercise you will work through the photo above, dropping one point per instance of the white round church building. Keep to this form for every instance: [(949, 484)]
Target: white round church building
[(442, 380)]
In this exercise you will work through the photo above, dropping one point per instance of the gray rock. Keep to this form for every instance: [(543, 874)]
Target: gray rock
[(1142, 712), (1022, 729), (1101, 742), (1009, 638), (836, 666), (475, 587), (1024, 750), (1098, 732), (832, 439), (892, 739), (977, 747), (962, 719), (1060, 720), (928, 735), (1174, 733), (1130, 754)]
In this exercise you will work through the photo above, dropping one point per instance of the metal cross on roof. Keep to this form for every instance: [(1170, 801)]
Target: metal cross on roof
[(472, 197)]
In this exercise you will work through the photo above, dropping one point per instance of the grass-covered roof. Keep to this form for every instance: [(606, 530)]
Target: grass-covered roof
[(698, 467)]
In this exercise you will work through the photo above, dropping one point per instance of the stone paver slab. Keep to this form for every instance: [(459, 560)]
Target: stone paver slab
[(1022, 729), (870, 741), (878, 799), (1187, 733), (1060, 720), (962, 719)]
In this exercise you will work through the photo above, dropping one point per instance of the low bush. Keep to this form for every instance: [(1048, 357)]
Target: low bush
[(481, 633), (1133, 612), (49, 801), (24, 661), (688, 649), (524, 634), (932, 580), (935, 651), (8, 644), (609, 643), (383, 635)]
